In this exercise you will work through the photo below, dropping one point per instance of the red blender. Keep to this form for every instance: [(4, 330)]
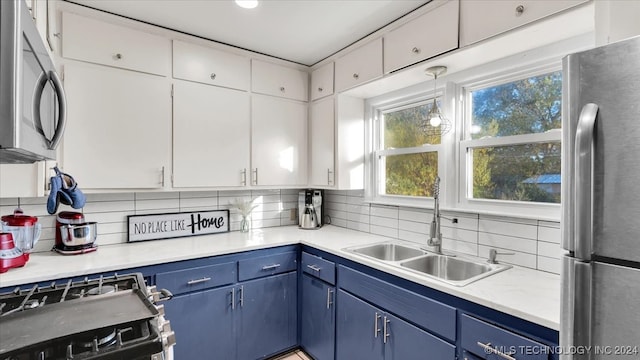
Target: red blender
[(10, 255), (74, 235), (24, 229)]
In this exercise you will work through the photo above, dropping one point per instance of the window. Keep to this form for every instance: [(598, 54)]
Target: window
[(511, 147), (406, 157)]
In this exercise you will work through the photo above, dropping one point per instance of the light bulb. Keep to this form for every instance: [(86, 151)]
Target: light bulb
[(247, 4), (435, 120)]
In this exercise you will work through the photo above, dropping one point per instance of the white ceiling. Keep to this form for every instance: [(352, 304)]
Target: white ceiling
[(302, 31)]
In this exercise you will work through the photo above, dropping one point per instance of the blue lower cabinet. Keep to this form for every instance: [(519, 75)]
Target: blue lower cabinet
[(194, 315), (267, 316), (358, 329), (317, 332), (366, 332)]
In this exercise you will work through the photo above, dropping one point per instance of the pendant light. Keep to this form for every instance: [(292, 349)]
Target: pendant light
[(435, 123)]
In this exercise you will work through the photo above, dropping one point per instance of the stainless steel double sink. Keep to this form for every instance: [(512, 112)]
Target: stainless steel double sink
[(449, 269)]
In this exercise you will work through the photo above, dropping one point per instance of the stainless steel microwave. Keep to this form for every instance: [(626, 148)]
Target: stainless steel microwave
[(32, 101)]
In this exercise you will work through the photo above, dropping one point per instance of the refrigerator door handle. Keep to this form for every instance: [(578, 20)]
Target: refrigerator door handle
[(576, 314), (583, 175)]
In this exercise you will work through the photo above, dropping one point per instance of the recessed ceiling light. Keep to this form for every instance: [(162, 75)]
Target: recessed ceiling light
[(247, 4)]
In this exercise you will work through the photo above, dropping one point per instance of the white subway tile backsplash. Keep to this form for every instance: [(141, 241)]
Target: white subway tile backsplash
[(383, 221), (549, 234), (549, 264), (335, 206), (384, 231), (416, 227), (459, 234), (108, 206), (460, 247), (464, 221), (384, 211), (156, 195), (418, 238), (199, 202), (549, 250), (508, 228), (507, 242), (358, 209), (358, 226), (157, 204), (362, 218), (419, 215), (339, 222)]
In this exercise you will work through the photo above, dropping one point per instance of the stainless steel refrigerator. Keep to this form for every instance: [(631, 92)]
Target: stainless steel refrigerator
[(600, 310)]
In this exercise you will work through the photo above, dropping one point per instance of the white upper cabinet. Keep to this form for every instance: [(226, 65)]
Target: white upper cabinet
[(278, 141), (210, 136), (322, 81), (281, 81), (359, 66), (321, 143), (118, 133), (22, 180), (482, 19), (107, 44), (431, 34), (210, 66)]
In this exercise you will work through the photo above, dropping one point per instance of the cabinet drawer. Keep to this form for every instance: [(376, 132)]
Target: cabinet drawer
[(482, 19), (359, 66), (319, 267), (491, 342), (114, 45), (210, 66), (430, 314), (322, 81), (199, 278), (266, 265), (408, 44), (277, 80)]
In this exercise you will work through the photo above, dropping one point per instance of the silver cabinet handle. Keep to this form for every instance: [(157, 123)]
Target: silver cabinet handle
[(376, 329), (355, 75), (385, 333), (415, 50), (329, 173), (243, 182), (314, 267), (212, 76), (198, 281), (241, 291), (233, 299), (583, 175), (519, 10), (270, 267), (489, 350), (255, 176), (329, 297)]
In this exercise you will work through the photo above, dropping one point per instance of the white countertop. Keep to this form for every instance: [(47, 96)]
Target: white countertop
[(528, 294)]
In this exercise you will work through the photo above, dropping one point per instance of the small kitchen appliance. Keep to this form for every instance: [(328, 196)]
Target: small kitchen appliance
[(24, 228), (10, 255), (74, 235), (108, 318), (310, 209)]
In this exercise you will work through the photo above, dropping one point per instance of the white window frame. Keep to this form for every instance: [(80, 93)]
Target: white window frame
[(502, 207), (374, 190)]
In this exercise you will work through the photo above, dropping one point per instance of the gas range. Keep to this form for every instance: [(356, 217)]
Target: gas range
[(109, 318)]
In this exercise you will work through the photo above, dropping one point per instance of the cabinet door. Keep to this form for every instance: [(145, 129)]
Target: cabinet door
[(358, 329), (482, 19), (321, 141), (407, 342), (203, 323), (317, 335), (359, 66), (281, 81), (429, 35), (22, 180), (322, 81), (118, 134), (267, 318), (210, 136), (279, 141)]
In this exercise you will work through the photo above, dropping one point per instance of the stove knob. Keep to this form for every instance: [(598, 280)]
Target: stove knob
[(168, 339)]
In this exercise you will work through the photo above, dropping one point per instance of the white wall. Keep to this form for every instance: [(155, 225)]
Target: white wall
[(616, 20)]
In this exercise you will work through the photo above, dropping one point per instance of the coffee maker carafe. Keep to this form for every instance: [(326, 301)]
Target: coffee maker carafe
[(310, 209)]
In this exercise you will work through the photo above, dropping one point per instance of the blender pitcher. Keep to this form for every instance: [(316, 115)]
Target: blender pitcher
[(24, 228)]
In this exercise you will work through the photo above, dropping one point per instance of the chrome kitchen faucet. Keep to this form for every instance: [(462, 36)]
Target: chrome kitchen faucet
[(435, 236)]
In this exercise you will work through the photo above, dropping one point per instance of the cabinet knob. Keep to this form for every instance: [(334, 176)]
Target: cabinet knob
[(519, 10), (117, 56), (213, 76), (355, 76), (320, 89), (282, 88), (415, 50)]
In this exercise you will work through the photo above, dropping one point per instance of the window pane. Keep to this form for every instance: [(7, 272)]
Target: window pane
[(411, 175), (403, 128), (529, 172), (526, 106)]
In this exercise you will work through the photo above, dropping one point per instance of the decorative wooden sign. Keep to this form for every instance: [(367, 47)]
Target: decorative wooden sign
[(175, 225)]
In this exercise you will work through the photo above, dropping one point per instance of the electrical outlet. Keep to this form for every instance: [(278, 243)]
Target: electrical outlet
[(293, 214)]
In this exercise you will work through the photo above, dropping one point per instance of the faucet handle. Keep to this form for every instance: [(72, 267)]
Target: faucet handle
[(493, 253)]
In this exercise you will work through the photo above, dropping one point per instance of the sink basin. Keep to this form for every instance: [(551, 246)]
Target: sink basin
[(452, 270), (388, 251)]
